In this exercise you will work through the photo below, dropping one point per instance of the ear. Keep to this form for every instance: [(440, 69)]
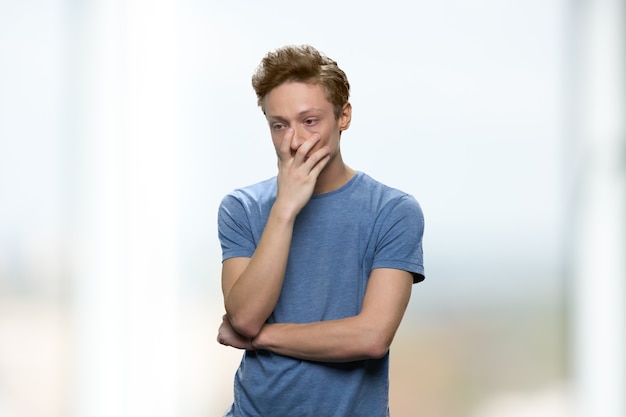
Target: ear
[(345, 117)]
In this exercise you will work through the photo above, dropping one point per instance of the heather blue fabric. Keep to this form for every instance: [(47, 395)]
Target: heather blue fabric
[(339, 237)]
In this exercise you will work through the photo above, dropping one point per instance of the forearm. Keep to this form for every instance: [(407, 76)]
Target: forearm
[(364, 336), (342, 340), (250, 297)]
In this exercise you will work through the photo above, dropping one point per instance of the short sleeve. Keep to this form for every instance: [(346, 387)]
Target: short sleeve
[(400, 231), (234, 230)]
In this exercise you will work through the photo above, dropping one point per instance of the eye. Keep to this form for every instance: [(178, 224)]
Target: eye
[(278, 126), (310, 122)]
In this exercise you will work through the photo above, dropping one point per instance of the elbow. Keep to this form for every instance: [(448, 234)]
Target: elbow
[(374, 338), (246, 327), (377, 351), (376, 347)]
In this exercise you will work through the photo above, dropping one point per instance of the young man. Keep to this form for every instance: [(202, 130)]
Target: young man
[(318, 262)]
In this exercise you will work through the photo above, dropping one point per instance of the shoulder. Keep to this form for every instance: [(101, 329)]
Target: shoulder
[(385, 197), (258, 194)]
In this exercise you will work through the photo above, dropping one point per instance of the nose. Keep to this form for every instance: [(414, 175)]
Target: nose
[(298, 138)]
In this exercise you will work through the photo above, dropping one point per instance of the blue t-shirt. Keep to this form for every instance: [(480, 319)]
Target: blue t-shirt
[(338, 238)]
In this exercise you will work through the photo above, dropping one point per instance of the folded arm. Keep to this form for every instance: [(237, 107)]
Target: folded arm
[(364, 336)]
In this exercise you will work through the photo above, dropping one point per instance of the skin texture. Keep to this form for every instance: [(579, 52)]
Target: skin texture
[(306, 135)]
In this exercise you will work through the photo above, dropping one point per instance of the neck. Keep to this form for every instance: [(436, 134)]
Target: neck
[(334, 176)]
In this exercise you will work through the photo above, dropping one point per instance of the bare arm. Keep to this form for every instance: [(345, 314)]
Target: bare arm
[(251, 287), (366, 335)]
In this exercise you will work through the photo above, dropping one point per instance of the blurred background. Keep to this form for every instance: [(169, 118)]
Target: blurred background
[(124, 122)]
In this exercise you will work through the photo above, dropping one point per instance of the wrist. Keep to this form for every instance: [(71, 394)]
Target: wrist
[(255, 343), (284, 211), (259, 342)]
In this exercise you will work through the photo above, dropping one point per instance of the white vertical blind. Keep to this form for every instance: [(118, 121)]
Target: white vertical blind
[(128, 272), (101, 273), (598, 261)]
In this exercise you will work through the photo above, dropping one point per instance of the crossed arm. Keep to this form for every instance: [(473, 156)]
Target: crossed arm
[(366, 335)]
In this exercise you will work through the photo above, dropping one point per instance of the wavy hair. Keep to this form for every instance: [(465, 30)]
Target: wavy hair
[(301, 63)]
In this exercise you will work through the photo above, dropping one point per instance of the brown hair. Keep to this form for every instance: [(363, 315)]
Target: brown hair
[(302, 64)]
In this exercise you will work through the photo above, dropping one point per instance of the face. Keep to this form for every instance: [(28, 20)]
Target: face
[(305, 109)]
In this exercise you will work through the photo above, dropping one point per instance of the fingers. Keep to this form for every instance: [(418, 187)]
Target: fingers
[(312, 162), (304, 149), (287, 146), (318, 160), (284, 151)]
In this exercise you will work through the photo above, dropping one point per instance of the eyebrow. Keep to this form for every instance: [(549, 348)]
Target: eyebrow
[(275, 118), (300, 114)]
